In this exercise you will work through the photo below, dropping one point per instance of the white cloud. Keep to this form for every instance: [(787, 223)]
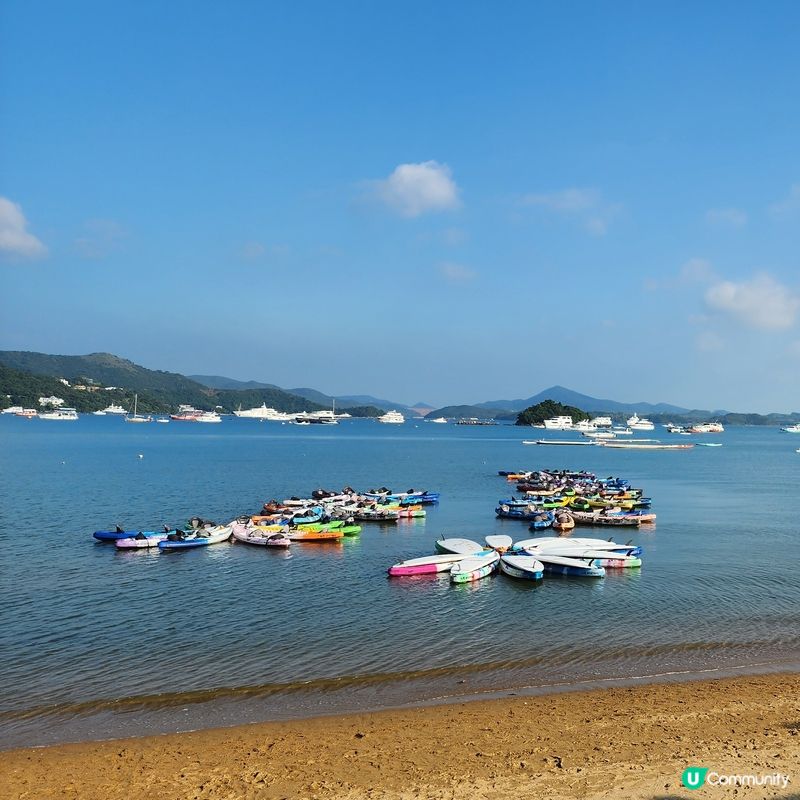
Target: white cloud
[(588, 205), (790, 204), (101, 238), (726, 217), (761, 303), (456, 273), (414, 189), (15, 241)]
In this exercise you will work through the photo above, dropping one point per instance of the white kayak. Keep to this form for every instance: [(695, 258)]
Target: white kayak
[(500, 542), (466, 547), (474, 568), (528, 567)]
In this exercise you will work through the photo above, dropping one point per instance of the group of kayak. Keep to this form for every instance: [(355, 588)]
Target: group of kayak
[(467, 560), (323, 517), (374, 505), (564, 499)]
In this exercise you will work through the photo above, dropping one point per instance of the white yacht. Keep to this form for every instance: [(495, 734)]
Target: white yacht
[(208, 416), (63, 413), (392, 418), (263, 412), (559, 423), (28, 413), (12, 410), (708, 427), (792, 428), (324, 417), (602, 422), (439, 420), (636, 423), (584, 425), (112, 409)]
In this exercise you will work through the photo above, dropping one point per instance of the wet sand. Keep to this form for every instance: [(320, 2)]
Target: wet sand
[(608, 743)]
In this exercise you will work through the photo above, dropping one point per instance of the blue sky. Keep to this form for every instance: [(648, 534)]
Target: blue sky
[(447, 202)]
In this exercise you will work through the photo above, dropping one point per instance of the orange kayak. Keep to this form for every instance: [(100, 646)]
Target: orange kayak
[(306, 535)]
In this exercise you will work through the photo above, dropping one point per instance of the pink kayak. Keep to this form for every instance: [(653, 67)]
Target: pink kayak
[(427, 565), (267, 536)]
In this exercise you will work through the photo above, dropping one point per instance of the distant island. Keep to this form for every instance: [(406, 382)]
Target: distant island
[(536, 415), (92, 382)]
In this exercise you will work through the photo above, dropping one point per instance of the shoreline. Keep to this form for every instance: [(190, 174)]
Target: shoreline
[(631, 741), (165, 714)]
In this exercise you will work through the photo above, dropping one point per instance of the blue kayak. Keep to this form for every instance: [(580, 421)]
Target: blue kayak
[(182, 540), (112, 536)]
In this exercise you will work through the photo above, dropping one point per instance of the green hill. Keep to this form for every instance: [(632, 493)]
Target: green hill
[(26, 376)]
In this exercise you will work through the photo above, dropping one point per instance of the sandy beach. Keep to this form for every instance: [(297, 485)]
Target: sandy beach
[(608, 743)]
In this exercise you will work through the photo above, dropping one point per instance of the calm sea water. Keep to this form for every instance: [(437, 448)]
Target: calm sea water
[(101, 643)]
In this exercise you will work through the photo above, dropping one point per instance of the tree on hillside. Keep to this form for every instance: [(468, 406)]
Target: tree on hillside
[(536, 415)]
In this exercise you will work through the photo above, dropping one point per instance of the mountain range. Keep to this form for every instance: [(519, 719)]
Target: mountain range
[(569, 397), (26, 375), (315, 396)]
